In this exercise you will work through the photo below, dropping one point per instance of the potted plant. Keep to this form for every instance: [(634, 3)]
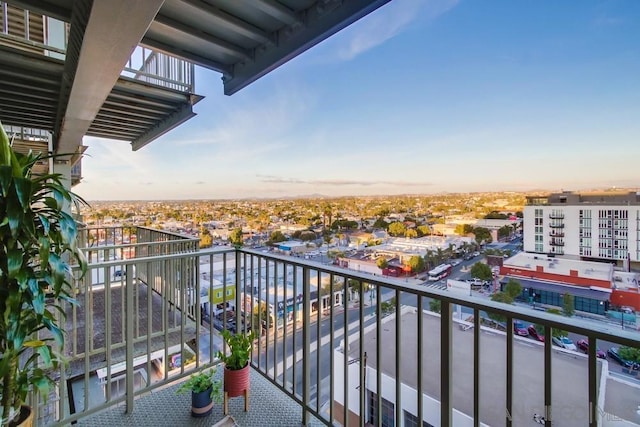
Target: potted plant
[(236, 366), (205, 389), (38, 241)]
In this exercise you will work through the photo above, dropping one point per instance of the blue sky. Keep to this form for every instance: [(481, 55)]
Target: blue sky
[(417, 97)]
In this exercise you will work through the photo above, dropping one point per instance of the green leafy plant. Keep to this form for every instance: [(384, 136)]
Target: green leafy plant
[(203, 381), (239, 349), (37, 243)]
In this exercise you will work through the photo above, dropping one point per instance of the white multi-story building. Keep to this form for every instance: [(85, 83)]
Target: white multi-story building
[(590, 226)]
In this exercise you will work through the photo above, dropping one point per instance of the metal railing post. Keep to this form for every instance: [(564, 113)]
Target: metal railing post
[(446, 378), (237, 289), (306, 344), (129, 319)]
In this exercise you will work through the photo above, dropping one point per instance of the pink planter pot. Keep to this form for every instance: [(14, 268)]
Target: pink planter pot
[(236, 382)]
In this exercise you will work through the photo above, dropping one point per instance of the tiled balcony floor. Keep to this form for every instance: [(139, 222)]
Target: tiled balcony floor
[(268, 407)]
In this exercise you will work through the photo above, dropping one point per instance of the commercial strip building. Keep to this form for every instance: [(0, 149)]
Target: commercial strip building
[(493, 225), (596, 286), (405, 248), (588, 226)]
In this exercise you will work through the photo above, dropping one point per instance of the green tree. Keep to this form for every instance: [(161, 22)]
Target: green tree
[(483, 235), (496, 215), (235, 237), (397, 229), (568, 305), (481, 271), (259, 315), (513, 288), (307, 236), (358, 287), (505, 231), (424, 230), (630, 353), (276, 237), (388, 307), (416, 263), (206, 240), (382, 263), (502, 297), (381, 224), (411, 233), (435, 305)]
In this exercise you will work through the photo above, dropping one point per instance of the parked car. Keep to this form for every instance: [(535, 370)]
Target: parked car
[(455, 262), (520, 329), (615, 355), (533, 333), (476, 253), (564, 342), (583, 345)]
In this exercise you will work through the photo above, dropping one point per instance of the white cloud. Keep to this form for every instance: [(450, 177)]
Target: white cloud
[(252, 124), (392, 19)]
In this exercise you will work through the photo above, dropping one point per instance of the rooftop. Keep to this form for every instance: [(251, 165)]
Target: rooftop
[(560, 266), (569, 378)]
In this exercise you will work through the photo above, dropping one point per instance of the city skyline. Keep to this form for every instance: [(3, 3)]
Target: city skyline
[(419, 97)]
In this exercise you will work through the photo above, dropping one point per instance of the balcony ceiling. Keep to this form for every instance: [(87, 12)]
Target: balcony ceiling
[(85, 93)]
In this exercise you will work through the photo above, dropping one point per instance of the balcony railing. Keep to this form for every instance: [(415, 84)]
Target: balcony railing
[(556, 242), (556, 225), (556, 215), (349, 347), (557, 234)]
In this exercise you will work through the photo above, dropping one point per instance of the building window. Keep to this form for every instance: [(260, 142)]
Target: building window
[(411, 420), (388, 411)]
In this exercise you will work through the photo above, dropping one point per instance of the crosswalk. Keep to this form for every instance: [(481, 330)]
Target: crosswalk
[(436, 285)]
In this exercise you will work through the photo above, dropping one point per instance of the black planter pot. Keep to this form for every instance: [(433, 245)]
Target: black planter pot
[(201, 403)]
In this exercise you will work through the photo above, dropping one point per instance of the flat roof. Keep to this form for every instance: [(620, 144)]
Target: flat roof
[(420, 244), (570, 378), (562, 266)]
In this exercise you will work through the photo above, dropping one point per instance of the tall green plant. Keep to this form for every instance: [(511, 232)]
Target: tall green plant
[(37, 242), (239, 349)]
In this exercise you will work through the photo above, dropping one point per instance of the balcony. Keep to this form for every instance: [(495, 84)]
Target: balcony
[(556, 242), (556, 215), (557, 234), (556, 225), (149, 295)]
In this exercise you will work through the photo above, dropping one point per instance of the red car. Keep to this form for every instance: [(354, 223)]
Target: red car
[(520, 329), (584, 346), (533, 333)]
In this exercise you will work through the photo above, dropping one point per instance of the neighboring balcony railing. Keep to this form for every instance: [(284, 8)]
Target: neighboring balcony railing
[(557, 234), (556, 215), (160, 69), (350, 347), (556, 225), (556, 242), (33, 32)]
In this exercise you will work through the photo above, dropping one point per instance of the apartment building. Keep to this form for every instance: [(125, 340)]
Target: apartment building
[(601, 226)]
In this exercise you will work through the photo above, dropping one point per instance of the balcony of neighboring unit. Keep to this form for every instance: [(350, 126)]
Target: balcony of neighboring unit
[(556, 215), (556, 242), (556, 225), (151, 306), (42, 63), (556, 233)]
